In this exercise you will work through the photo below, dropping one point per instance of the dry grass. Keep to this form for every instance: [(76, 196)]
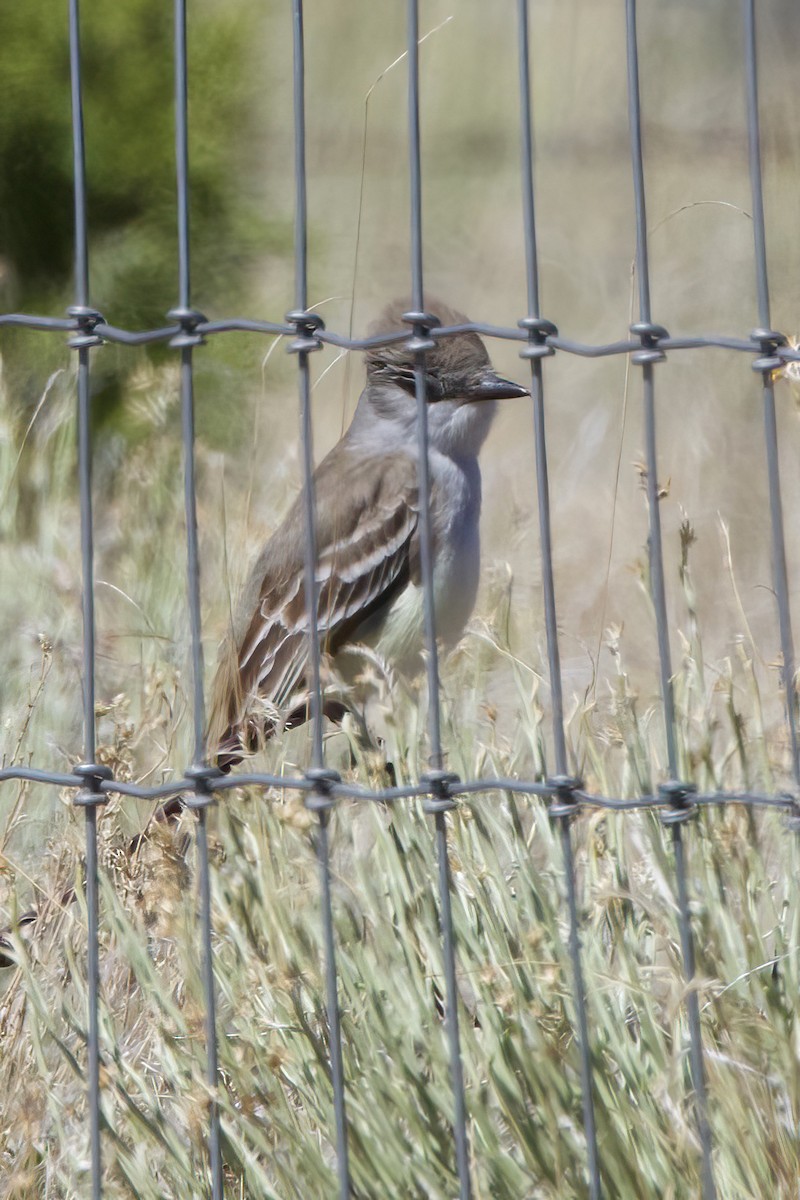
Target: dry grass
[(517, 1020), (520, 1057)]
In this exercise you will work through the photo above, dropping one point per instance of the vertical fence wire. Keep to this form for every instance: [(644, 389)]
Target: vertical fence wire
[(187, 317), (769, 341), (212, 1070), (646, 358), (90, 797), (332, 998), (649, 334), (754, 163), (185, 341), (79, 190), (536, 351), (421, 343), (656, 560), (302, 348), (421, 323), (709, 1190), (319, 799)]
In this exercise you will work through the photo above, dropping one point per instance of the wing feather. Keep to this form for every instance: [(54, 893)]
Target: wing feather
[(367, 517)]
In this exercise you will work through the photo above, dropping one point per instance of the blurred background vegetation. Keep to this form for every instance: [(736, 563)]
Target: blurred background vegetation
[(716, 532), (130, 166)]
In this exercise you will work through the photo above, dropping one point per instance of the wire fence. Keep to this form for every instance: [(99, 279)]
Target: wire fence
[(676, 800)]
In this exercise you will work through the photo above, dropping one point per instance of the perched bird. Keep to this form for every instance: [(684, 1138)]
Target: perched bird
[(368, 552), (368, 549)]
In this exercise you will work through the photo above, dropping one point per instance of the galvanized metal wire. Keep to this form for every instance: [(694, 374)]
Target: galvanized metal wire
[(319, 800), (563, 808), (200, 784), (647, 358)]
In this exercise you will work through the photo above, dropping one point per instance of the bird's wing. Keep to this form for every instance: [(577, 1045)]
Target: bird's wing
[(366, 520)]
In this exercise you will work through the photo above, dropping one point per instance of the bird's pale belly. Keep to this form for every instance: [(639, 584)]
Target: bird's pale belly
[(399, 634)]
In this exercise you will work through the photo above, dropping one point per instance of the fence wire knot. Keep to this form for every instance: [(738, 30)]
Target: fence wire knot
[(539, 329), (793, 816), (188, 335), (306, 325), (768, 341), (650, 335), (422, 323), (86, 319), (94, 775), (440, 785), (563, 803), (202, 777), (321, 798), (681, 806)]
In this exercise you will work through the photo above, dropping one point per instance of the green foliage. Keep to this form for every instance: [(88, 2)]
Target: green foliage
[(130, 163)]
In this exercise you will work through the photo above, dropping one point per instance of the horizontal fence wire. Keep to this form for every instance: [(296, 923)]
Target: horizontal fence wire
[(340, 789), (128, 337), (676, 801)]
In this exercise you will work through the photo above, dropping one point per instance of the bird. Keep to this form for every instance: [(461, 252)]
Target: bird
[(367, 513), (368, 562), (369, 574)]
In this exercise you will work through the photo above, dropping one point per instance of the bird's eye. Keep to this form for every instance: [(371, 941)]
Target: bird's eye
[(405, 378)]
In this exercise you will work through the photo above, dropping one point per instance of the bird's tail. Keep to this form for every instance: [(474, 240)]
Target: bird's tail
[(229, 751)]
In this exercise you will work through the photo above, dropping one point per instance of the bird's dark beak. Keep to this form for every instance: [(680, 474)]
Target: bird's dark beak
[(490, 386)]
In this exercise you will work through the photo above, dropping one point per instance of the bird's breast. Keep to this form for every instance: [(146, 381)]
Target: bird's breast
[(455, 515), (456, 520), (397, 632)]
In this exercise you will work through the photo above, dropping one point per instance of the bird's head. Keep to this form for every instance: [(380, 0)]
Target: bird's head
[(461, 385)]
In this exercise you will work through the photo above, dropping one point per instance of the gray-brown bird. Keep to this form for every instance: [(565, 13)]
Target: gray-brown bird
[(367, 517)]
